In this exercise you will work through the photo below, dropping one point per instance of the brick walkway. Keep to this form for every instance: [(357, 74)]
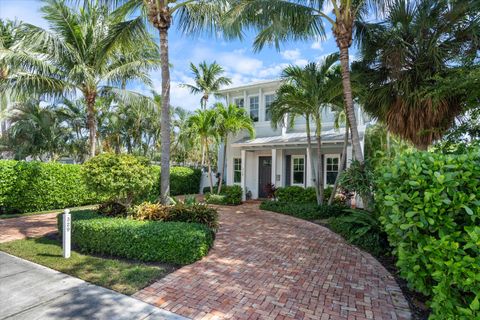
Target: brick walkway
[(270, 266), (26, 227)]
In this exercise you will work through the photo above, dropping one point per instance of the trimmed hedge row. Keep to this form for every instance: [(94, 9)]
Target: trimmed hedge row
[(306, 211), (229, 195), (36, 186), (172, 242), (300, 194), (430, 209)]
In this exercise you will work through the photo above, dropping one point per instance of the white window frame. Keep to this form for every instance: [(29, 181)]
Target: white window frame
[(292, 171), (333, 156), (265, 103), (250, 107), (238, 98), (233, 166)]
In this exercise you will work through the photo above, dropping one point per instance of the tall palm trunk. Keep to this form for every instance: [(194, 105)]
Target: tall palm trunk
[(310, 158), (165, 114), (348, 97), (342, 163), (318, 132), (91, 122), (224, 160), (209, 166)]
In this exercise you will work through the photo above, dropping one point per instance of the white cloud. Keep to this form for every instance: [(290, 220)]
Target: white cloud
[(319, 41), (291, 54), (301, 62)]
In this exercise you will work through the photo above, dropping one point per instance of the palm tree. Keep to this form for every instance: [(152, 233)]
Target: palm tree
[(91, 51), (183, 141), (208, 80), (230, 120), (203, 124), (285, 20), (307, 92), (410, 66), (192, 17)]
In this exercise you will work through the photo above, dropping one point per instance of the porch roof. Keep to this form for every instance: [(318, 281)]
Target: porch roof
[(293, 139)]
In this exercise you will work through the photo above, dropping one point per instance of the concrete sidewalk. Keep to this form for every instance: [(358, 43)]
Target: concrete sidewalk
[(30, 291)]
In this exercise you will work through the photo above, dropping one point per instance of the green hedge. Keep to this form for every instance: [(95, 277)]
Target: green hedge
[(307, 211), (430, 209), (229, 195), (173, 242), (183, 180), (37, 186), (301, 195)]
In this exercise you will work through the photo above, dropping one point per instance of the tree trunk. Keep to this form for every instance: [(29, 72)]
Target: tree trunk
[(318, 131), (209, 166), (165, 114), (310, 158), (341, 166), (91, 122), (224, 160), (348, 98)]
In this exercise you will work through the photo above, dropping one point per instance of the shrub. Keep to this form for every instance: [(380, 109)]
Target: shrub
[(151, 211), (307, 211), (123, 178), (37, 186), (173, 242), (363, 229), (112, 208), (430, 209), (184, 180), (230, 195)]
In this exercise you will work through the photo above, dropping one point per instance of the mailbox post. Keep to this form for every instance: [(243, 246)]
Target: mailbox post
[(67, 233)]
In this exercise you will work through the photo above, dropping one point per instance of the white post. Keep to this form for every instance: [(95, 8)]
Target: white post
[(274, 167), (243, 176), (67, 233)]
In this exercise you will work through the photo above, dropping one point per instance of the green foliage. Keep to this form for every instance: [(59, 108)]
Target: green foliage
[(36, 186), (359, 178), (123, 178), (430, 208), (307, 211), (174, 242), (296, 194), (112, 208), (363, 229), (180, 212), (229, 195), (183, 180)]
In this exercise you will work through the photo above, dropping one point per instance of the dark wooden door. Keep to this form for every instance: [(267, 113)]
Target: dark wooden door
[(264, 175)]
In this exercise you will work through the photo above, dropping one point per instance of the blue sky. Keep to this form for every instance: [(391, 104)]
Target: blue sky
[(237, 58)]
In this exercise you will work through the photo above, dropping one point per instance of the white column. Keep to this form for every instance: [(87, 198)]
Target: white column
[(285, 125), (243, 182), (228, 98), (349, 155), (280, 168), (246, 104), (261, 109), (274, 166), (308, 164)]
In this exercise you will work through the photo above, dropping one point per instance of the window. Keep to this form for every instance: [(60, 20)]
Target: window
[(331, 169), (254, 108), (269, 98), (237, 170), (298, 170), (240, 102)]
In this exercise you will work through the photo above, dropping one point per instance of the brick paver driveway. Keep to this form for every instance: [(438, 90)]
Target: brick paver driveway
[(271, 266), (26, 227)]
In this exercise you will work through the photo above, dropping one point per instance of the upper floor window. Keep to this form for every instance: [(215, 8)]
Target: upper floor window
[(254, 105), (269, 98), (239, 102)]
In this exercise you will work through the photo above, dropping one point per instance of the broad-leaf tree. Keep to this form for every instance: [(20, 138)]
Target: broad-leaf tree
[(230, 120), (89, 50), (416, 66)]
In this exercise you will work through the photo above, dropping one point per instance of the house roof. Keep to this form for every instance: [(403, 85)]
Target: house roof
[(288, 139), (249, 85)]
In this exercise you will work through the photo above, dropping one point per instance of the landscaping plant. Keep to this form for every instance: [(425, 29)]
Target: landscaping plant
[(230, 195), (307, 211), (430, 209)]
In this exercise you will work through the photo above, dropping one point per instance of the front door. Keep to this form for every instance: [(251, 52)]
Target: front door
[(264, 175)]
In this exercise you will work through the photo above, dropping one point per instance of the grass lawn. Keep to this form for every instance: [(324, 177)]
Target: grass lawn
[(16, 215), (123, 276)]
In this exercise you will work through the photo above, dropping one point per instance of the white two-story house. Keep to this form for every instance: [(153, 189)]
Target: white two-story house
[(279, 156)]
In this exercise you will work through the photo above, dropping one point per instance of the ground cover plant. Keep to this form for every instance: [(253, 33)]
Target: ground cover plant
[(124, 276), (430, 208), (307, 211)]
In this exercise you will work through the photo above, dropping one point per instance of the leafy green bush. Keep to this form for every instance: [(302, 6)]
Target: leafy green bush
[(195, 213), (37, 186), (229, 195), (123, 178), (307, 211), (363, 229), (430, 209), (183, 180), (173, 242), (296, 194), (151, 211)]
